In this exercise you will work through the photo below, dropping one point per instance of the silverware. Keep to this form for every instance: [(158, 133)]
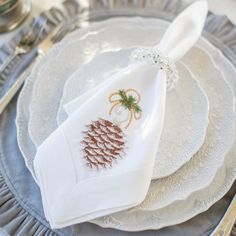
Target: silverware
[(13, 13), (42, 48), (27, 42), (70, 25), (227, 222), (55, 36)]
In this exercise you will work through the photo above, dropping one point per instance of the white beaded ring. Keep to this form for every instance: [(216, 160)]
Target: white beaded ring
[(155, 57)]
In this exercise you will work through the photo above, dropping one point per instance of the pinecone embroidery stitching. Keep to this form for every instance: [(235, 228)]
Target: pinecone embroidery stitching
[(104, 141)]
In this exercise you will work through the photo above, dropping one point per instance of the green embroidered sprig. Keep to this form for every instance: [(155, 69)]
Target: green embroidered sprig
[(26, 41), (129, 102)]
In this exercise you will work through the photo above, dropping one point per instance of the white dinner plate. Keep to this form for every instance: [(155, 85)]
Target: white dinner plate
[(200, 170), (190, 211), (173, 153)]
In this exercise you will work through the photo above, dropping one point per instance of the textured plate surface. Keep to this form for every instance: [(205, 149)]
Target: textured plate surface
[(189, 208), (180, 184), (121, 38), (197, 202), (173, 153)]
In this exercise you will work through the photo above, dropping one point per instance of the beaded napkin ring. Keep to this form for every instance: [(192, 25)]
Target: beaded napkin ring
[(155, 57)]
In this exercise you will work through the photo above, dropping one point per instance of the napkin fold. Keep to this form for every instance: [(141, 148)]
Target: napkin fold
[(100, 160)]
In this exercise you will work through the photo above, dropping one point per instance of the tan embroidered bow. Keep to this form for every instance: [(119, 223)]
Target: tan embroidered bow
[(128, 99)]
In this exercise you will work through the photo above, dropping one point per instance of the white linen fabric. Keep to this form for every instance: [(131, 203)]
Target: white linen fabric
[(100, 160)]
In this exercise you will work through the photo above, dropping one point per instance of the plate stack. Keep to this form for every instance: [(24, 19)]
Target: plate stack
[(195, 164)]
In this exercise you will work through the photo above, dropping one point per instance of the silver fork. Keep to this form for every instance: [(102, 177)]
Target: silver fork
[(27, 42), (43, 47), (69, 26)]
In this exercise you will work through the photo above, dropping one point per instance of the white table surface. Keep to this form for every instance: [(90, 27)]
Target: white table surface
[(226, 7)]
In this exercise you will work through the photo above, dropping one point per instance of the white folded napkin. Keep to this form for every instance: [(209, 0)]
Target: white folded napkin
[(100, 160)]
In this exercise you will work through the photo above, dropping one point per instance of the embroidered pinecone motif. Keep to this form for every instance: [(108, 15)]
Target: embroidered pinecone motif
[(103, 143)]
